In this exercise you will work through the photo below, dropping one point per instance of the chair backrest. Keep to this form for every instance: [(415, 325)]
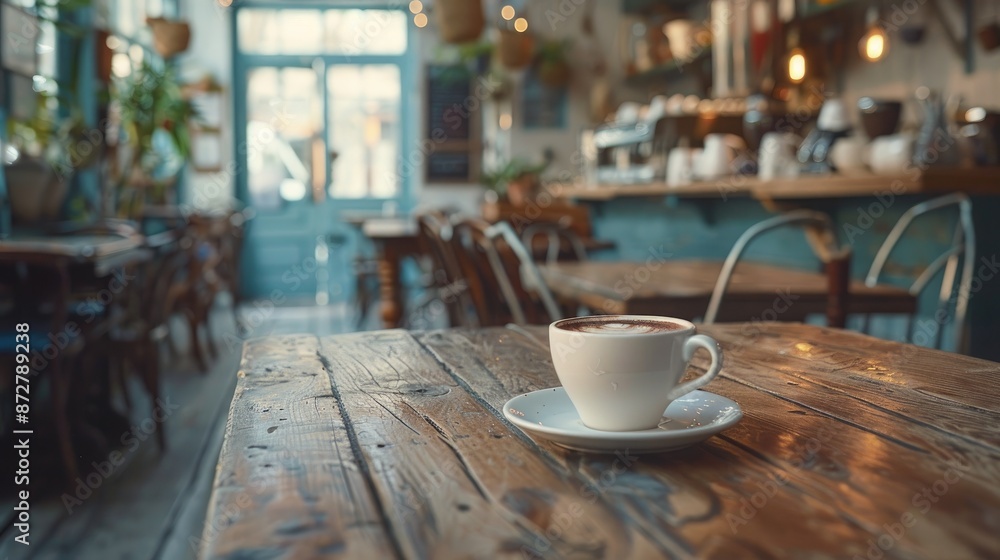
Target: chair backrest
[(435, 232), (820, 233), (963, 247), (555, 236), (513, 262), (473, 250)]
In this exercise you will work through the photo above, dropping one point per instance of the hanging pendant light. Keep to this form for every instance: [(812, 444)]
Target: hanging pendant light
[(875, 43)]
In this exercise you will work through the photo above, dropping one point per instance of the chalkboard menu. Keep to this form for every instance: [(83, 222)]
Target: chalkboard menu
[(452, 131), (449, 166), (449, 96)]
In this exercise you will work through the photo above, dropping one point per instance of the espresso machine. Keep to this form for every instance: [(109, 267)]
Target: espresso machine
[(629, 152)]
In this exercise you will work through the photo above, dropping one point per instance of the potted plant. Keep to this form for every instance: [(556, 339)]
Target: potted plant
[(156, 139), (517, 179), (48, 146), (552, 64), (47, 150)]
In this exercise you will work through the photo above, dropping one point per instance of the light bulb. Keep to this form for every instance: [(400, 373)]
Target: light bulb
[(416, 6), (874, 44), (797, 66), (520, 25), (420, 20), (507, 12)]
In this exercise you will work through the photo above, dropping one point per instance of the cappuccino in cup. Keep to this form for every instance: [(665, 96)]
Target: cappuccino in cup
[(621, 371)]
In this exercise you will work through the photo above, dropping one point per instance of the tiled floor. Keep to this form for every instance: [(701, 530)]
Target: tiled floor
[(153, 505)]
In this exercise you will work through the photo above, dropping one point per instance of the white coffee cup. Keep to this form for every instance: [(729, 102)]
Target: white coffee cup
[(888, 155), (621, 371), (680, 165), (848, 155), (776, 157), (718, 156)]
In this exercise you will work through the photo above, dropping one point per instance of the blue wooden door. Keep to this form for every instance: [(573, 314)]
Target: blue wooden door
[(322, 122)]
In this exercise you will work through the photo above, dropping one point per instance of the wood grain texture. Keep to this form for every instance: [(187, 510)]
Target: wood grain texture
[(850, 447), (682, 288), (288, 484)]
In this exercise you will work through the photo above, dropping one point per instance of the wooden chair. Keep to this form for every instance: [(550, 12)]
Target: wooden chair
[(822, 236), (136, 337), (194, 294), (446, 283), (963, 247)]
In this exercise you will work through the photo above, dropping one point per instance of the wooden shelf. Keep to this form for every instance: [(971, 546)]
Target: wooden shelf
[(975, 181), (670, 70)]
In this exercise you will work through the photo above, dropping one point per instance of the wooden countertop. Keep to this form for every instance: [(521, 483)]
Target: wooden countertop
[(976, 181)]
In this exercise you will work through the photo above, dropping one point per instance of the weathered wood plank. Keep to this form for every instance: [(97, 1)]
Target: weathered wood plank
[(288, 485), (457, 482), (708, 505), (945, 391)]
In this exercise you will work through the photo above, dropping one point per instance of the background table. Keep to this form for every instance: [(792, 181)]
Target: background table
[(682, 288), (392, 444)]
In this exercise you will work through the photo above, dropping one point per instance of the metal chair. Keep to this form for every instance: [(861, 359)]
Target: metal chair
[(822, 237), (963, 246), (528, 278), (554, 235)]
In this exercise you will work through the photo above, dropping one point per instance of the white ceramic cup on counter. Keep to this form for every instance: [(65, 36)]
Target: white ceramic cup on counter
[(680, 165), (776, 157), (848, 155), (889, 155), (718, 156), (621, 371)]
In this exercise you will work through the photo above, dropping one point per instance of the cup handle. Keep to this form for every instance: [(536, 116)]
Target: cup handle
[(690, 345)]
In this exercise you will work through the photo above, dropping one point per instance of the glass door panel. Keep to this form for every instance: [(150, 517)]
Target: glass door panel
[(284, 136), (364, 130)]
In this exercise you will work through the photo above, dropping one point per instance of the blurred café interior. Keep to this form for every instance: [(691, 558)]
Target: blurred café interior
[(180, 176)]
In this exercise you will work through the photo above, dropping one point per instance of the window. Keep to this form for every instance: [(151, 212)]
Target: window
[(349, 32)]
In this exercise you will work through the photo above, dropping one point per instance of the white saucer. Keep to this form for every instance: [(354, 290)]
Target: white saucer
[(695, 417)]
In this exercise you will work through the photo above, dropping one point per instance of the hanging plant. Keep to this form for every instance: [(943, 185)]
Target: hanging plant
[(515, 48), (553, 66), (170, 38), (459, 21)]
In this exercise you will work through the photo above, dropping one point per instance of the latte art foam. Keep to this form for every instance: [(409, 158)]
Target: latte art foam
[(618, 325)]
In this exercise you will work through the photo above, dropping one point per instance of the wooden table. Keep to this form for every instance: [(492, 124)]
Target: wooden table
[(392, 445), (77, 262), (395, 239), (682, 288)]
